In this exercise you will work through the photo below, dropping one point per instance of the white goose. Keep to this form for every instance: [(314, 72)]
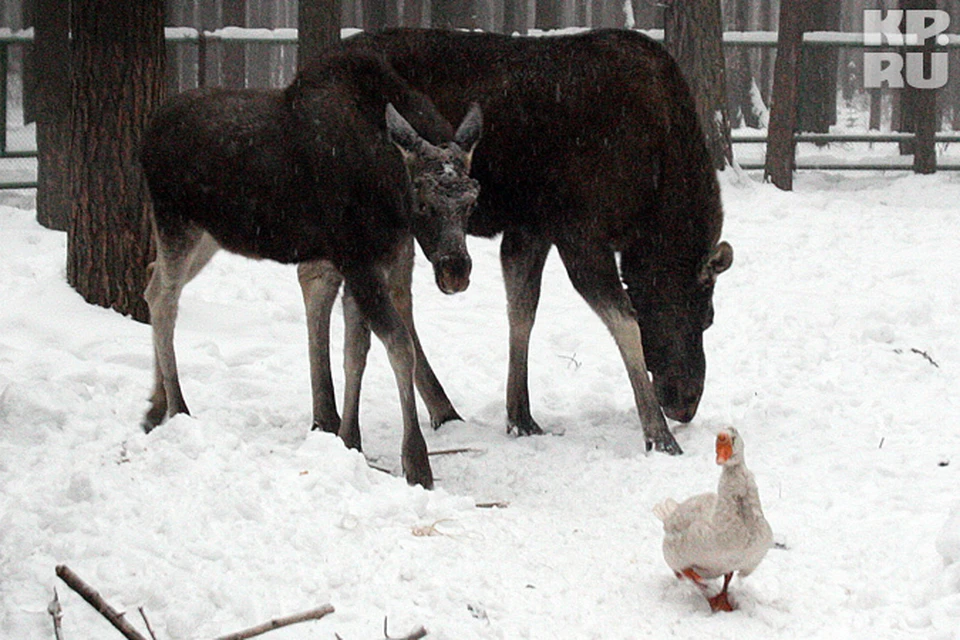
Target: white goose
[(715, 534)]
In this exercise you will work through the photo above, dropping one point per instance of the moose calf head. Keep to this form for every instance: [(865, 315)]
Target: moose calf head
[(444, 194)]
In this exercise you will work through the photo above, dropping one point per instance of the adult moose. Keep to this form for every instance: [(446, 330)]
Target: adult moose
[(591, 144), (304, 174)]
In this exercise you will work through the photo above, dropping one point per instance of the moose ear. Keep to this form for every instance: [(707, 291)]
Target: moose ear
[(719, 261), (401, 133), (470, 130)]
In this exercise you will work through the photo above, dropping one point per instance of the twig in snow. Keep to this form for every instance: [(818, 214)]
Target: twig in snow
[(56, 612), (313, 614), (451, 452), (97, 602), (416, 634), (492, 505), (926, 356), (143, 614)]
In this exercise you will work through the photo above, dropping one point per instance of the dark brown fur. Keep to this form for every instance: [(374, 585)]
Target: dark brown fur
[(591, 145), (311, 173)]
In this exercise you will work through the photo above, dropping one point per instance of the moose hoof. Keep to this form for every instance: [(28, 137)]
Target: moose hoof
[(444, 418), (327, 426), (524, 427), (665, 444)]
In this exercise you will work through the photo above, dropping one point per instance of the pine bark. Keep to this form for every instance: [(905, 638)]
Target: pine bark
[(693, 34), (118, 61)]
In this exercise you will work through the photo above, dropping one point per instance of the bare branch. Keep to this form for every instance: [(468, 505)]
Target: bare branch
[(926, 356), (97, 602), (143, 614), (493, 505), (313, 614), (56, 612), (416, 634), (451, 452)]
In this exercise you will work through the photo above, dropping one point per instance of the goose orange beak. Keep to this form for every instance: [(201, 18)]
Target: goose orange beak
[(724, 447)]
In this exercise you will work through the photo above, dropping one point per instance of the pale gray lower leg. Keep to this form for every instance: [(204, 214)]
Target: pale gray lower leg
[(319, 283), (439, 407), (522, 257), (175, 266), (593, 272)]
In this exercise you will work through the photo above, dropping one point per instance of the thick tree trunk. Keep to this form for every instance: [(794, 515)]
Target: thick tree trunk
[(740, 104), (783, 110), (118, 63), (693, 34), (51, 52)]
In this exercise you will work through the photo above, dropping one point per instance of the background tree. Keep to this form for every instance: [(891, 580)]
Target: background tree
[(817, 106), (918, 107), (783, 110), (118, 78), (51, 53), (318, 24), (693, 33)]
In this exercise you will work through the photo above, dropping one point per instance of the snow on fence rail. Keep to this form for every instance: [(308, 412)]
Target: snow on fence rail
[(288, 36)]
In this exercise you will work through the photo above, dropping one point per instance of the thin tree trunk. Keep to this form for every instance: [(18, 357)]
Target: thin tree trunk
[(51, 52), (515, 16), (549, 14), (118, 62), (817, 106), (318, 23), (234, 55), (783, 110), (693, 34)]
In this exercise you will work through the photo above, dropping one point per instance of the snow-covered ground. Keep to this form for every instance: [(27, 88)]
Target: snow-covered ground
[(836, 353)]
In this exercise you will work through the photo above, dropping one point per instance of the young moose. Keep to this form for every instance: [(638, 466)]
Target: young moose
[(310, 173)]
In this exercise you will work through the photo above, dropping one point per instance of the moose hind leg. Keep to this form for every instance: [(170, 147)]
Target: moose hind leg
[(593, 271), (356, 346), (319, 282), (522, 257), (177, 262)]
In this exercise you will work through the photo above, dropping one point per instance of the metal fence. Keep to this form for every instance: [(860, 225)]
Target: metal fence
[(18, 155)]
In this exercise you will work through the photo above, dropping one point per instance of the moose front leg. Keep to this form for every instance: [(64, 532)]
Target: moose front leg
[(368, 290), (440, 408), (592, 268)]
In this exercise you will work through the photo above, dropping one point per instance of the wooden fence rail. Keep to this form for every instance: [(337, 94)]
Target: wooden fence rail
[(187, 36)]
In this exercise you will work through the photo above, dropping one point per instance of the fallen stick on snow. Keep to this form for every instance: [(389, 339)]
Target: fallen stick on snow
[(416, 634), (97, 602), (276, 623), (116, 618)]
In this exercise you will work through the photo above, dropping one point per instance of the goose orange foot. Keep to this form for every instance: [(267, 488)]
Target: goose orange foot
[(721, 602)]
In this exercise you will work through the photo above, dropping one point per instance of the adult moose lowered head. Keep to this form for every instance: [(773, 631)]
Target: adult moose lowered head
[(305, 174), (591, 145)]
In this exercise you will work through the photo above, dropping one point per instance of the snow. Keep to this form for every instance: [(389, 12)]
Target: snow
[(835, 353)]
